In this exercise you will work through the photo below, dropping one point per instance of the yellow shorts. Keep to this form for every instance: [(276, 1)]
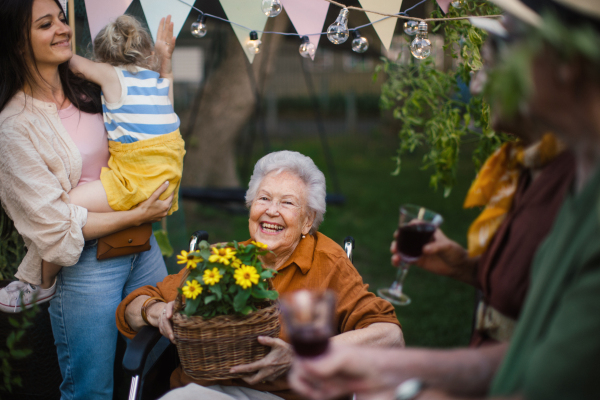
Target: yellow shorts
[(136, 170)]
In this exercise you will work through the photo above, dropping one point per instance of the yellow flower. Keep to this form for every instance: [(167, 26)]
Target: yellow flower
[(259, 244), (212, 276), (192, 290), (222, 255), (190, 259), (236, 262), (245, 276)]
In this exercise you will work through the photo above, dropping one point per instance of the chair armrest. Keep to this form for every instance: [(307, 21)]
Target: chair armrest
[(139, 348)]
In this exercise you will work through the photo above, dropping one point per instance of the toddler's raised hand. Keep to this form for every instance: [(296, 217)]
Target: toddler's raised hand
[(165, 41)]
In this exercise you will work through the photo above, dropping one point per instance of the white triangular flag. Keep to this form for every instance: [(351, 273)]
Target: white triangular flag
[(250, 15), (154, 10), (385, 29)]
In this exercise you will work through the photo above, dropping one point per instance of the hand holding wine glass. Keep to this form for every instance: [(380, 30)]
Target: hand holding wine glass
[(416, 229)]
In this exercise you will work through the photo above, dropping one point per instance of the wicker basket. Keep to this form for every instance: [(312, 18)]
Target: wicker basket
[(209, 348)]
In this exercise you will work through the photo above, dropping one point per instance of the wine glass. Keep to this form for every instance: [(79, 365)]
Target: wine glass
[(309, 319), (417, 225)]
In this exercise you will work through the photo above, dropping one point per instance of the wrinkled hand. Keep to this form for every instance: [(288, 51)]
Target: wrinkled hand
[(165, 326), (154, 209), (442, 256), (344, 370), (165, 44), (275, 364), (163, 320)]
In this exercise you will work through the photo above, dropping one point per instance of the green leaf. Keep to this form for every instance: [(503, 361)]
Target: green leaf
[(267, 273), (259, 293), (205, 254), (272, 295), (240, 300), (216, 289), (208, 299), (191, 305), (162, 238), (247, 310), (20, 354)]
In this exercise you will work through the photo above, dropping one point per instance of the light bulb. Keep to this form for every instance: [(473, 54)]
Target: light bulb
[(457, 3), (253, 44), (271, 8), (199, 27), (307, 49), (410, 27), (337, 33), (421, 46), (359, 43)]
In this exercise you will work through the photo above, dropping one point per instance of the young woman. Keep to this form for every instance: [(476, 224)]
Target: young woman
[(51, 135)]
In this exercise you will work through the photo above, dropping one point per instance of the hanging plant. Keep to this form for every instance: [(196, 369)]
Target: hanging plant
[(428, 101)]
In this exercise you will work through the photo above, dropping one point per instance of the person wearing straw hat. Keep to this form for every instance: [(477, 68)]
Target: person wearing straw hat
[(555, 351)]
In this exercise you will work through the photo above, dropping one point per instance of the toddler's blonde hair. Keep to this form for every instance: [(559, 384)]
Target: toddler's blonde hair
[(125, 43)]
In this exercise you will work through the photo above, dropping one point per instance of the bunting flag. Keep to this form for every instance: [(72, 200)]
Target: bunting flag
[(444, 4), (307, 16), (100, 13), (246, 13), (385, 29), (154, 10)]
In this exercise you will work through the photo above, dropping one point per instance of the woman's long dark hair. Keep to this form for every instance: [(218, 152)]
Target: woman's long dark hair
[(15, 42)]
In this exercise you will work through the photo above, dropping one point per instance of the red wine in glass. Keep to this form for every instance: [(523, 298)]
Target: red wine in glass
[(412, 238), (416, 229), (310, 342)]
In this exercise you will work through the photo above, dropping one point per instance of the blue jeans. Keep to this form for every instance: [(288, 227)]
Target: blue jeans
[(83, 316)]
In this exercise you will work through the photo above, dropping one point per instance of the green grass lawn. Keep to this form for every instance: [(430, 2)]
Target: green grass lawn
[(441, 310)]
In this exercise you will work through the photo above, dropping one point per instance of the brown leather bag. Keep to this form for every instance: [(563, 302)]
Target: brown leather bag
[(128, 241)]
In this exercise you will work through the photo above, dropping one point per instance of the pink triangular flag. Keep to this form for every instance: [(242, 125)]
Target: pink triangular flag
[(444, 4), (100, 13), (308, 17)]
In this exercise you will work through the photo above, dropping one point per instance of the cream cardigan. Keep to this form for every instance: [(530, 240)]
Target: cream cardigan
[(39, 164)]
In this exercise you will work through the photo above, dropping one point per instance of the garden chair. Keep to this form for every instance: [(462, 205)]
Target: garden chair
[(150, 378)]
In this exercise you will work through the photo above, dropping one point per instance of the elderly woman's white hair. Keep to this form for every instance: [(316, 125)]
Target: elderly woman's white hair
[(299, 165)]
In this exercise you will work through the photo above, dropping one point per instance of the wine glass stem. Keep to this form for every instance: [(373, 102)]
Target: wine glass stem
[(400, 276)]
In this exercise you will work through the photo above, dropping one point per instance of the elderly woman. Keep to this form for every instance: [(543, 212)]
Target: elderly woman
[(286, 196)]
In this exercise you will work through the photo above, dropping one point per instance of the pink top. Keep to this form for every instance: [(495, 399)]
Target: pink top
[(90, 137)]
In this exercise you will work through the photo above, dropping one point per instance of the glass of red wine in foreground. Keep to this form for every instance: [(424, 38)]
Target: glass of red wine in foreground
[(309, 319), (417, 225)]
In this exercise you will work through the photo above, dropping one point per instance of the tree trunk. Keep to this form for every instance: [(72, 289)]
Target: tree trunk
[(228, 101)]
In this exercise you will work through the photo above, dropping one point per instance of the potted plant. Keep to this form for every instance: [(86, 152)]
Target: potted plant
[(225, 302)]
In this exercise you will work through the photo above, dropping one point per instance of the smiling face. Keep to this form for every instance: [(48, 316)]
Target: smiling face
[(279, 215), (50, 34)]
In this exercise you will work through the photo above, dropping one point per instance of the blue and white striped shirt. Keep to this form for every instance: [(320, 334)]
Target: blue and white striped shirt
[(144, 110)]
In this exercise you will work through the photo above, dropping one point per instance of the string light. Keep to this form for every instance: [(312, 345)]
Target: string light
[(307, 49), (338, 33), (253, 44), (271, 8), (411, 27), (199, 27), (421, 46), (359, 44)]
